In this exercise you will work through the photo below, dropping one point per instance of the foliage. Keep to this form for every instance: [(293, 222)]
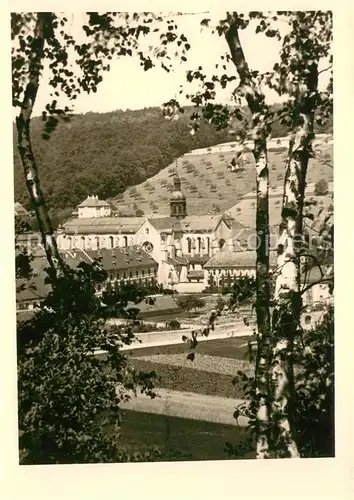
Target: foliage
[(314, 415), (189, 302), (127, 147), (314, 388), (69, 399), (321, 187)]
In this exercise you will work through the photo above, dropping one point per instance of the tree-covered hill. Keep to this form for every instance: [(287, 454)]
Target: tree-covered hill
[(105, 153)]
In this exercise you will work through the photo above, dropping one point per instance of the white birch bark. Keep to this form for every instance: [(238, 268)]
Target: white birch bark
[(25, 148), (287, 289), (258, 109)]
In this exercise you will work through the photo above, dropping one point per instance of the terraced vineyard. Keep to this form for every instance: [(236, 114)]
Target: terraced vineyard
[(209, 187)]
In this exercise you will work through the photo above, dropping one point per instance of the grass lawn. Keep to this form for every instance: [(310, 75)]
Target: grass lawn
[(178, 438), (227, 348)]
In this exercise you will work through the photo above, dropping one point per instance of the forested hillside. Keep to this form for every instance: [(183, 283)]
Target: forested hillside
[(104, 153)]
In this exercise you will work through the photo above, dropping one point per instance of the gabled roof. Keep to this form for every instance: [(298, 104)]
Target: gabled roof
[(112, 259), (190, 223), (246, 259), (103, 225), (200, 222), (163, 223), (93, 201)]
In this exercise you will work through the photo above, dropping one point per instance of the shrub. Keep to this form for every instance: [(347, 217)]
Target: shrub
[(189, 302), (321, 187)]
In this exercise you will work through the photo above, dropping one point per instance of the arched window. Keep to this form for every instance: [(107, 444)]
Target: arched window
[(208, 244), (97, 242), (125, 241), (82, 240), (308, 320), (110, 239), (69, 243), (199, 244), (221, 243), (189, 243)]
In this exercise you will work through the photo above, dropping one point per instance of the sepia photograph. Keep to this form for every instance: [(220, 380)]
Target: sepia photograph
[(174, 235)]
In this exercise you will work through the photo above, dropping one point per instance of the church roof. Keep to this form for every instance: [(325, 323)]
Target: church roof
[(112, 259), (93, 201), (189, 223), (245, 259), (103, 225), (177, 196)]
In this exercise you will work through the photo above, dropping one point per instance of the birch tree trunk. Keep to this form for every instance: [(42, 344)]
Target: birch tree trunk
[(258, 108), (287, 312), (23, 122)]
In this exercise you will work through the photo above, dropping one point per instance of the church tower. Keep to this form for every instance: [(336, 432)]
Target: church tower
[(178, 202)]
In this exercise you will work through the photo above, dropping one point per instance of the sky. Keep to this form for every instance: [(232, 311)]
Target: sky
[(127, 86)]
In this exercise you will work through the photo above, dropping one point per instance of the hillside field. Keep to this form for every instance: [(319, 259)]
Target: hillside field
[(210, 188)]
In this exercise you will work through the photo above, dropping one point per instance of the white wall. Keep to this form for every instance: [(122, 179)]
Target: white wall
[(93, 212), (90, 241)]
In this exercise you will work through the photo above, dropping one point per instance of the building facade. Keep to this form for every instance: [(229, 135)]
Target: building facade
[(92, 207), (180, 243), (128, 265)]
